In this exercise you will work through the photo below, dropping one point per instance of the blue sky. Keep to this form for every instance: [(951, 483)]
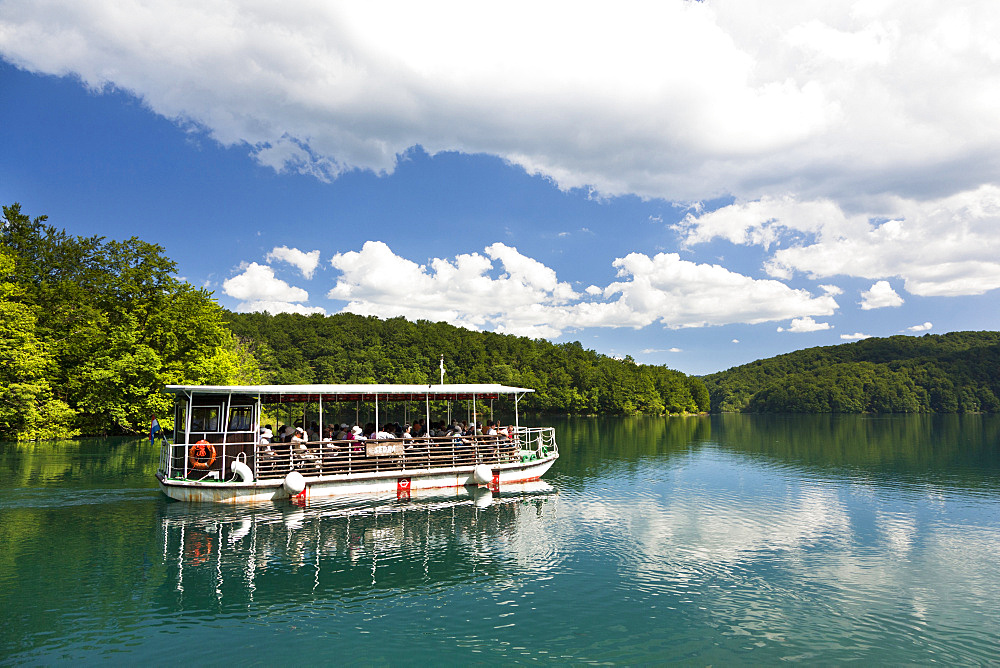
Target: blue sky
[(692, 184)]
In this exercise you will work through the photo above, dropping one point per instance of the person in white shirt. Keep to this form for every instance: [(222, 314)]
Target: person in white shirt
[(265, 439), (299, 445)]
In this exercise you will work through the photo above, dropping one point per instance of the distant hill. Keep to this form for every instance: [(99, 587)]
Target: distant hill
[(947, 373), (565, 377)]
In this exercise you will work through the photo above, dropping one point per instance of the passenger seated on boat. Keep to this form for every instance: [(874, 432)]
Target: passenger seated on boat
[(385, 432), (508, 445), (265, 439), (300, 448), (359, 436)]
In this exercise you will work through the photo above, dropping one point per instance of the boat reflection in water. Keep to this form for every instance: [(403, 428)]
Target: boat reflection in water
[(280, 549)]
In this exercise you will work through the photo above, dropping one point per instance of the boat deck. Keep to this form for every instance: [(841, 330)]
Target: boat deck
[(329, 458)]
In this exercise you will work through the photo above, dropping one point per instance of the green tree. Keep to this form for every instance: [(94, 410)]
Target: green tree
[(28, 410), (111, 325)]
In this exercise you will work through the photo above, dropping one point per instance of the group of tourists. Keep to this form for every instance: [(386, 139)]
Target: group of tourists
[(308, 450), (393, 430)]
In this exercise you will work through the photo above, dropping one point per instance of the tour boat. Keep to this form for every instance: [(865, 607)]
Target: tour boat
[(221, 450)]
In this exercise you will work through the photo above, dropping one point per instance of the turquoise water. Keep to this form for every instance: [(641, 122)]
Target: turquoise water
[(723, 540)]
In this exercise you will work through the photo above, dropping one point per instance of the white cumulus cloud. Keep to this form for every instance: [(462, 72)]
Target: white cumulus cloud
[(920, 328), (680, 293), (880, 295), (662, 98), (856, 139), (272, 307), (806, 324), (305, 262), (947, 246), (856, 336), (525, 297), (258, 289)]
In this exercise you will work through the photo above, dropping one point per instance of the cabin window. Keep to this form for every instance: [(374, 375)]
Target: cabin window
[(241, 418), (205, 418)]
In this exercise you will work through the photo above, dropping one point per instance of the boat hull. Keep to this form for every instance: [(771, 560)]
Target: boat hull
[(401, 482)]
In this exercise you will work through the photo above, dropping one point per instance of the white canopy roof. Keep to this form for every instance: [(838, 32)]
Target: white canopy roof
[(357, 392)]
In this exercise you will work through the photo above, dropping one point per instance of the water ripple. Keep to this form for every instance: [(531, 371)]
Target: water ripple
[(636, 552)]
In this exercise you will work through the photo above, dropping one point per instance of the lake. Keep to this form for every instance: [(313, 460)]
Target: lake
[(711, 540)]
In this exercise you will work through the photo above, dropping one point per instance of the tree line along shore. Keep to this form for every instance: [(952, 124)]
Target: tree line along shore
[(91, 330), (958, 372)]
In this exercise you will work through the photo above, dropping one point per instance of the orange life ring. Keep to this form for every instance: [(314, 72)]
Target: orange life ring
[(200, 451)]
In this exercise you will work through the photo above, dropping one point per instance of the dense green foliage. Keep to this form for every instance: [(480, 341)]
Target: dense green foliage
[(27, 405), (949, 373), (357, 349), (92, 329)]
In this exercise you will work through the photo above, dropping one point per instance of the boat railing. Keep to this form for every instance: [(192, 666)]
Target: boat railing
[(325, 458), (536, 441)]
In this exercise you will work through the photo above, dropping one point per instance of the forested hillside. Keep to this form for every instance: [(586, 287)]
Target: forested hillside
[(948, 373), (356, 349), (91, 330)]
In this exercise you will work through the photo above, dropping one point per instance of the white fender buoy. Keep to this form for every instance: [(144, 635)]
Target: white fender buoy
[(483, 474), (242, 470), (294, 483)]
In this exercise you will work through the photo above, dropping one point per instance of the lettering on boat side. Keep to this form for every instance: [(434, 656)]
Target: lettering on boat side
[(383, 448)]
